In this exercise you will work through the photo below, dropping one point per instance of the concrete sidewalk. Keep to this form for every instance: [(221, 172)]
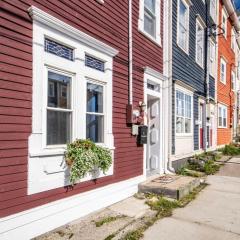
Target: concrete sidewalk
[(214, 215)]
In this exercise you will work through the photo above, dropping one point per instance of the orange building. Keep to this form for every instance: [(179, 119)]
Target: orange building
[(226, 76)]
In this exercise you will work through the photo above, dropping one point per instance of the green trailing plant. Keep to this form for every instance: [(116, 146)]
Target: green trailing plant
[(84, 156)]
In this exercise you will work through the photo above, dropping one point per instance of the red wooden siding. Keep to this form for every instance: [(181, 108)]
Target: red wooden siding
[(108, 23)]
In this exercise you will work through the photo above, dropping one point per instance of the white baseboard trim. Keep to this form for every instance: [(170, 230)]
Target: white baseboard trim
[(39, 220)]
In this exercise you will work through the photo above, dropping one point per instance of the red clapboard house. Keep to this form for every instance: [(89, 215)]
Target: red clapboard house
[(68, 49)]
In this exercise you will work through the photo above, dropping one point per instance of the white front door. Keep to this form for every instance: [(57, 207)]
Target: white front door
[(154, 142)]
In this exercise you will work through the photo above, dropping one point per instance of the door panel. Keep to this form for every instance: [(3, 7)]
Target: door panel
[(153, 147), (201, 126)]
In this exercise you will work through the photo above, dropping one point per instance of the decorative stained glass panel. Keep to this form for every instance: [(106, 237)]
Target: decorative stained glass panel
[(58, 49), (94, 63)]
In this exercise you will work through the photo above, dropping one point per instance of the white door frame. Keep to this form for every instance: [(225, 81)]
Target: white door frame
[(158, 78)]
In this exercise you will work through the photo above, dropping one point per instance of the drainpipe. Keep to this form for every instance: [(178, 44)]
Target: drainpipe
[(168, 169), (130, 67), (207, 42)]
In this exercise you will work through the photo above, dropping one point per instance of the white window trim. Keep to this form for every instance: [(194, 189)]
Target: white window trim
[(47, 168), (224, 14), (156, 40), (220, 105), (222, 60), (201, 24), (187, 3), (187, 92)]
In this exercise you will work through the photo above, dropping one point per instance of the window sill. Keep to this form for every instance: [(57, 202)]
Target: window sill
[(152, 39), (184, 135), (185, 51), (58, 151), (223, 82), (200, 65), (222, 127)]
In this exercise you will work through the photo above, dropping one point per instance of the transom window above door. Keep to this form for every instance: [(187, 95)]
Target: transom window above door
[(149, 19)]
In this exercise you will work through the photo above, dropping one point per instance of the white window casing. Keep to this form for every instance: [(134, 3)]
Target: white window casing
[(150, 15), (223, 71), (183, 112), (183, 24), (199, 46), (222, 116), (47, 168)]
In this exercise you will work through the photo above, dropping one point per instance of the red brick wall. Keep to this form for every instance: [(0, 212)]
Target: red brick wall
[(224, 92)]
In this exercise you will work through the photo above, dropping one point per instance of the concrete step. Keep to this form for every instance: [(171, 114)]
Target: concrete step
[(172, 186)]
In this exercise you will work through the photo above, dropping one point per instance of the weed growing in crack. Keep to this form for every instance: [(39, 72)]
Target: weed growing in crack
[(107, 220)]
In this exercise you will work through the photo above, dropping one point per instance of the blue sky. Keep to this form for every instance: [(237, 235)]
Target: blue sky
[(237, 2)]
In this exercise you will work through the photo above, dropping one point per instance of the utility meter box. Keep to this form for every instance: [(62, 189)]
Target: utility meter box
[(142, 134)]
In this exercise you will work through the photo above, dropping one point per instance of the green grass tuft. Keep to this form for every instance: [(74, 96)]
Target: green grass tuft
[(107, 220), (110, 237), (134, 235), (230, 150)]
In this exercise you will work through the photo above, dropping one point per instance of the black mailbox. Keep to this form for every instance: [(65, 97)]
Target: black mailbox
[(142, 134)]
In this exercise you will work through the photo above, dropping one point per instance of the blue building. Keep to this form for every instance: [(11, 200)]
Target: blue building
[(193, 72)]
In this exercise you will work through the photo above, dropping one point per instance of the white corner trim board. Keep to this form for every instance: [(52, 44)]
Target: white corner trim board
[(45, 18), (39, 220)]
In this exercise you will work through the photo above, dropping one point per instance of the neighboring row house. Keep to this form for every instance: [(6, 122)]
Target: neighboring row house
[(228, 74), (193, 89), (85, 69)]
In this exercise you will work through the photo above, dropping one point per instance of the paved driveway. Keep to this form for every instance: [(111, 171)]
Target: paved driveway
[(214, 215)]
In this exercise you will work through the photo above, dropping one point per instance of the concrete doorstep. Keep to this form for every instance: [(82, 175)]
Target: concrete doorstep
[(172, 186)]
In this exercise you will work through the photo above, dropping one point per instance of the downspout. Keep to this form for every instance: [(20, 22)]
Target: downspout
[(168, 30), (206, 74), (130, 60)]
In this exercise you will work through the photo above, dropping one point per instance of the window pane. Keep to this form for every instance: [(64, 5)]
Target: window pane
[(182, 13), (94, 98), (199, 51), (150, 4), (224, 122), (187, 125), (94, 128), (59, 91), (149, 24), (58, 127), (182, 25), (180, 125), (180, 103), (220, 121), (188, 106)]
